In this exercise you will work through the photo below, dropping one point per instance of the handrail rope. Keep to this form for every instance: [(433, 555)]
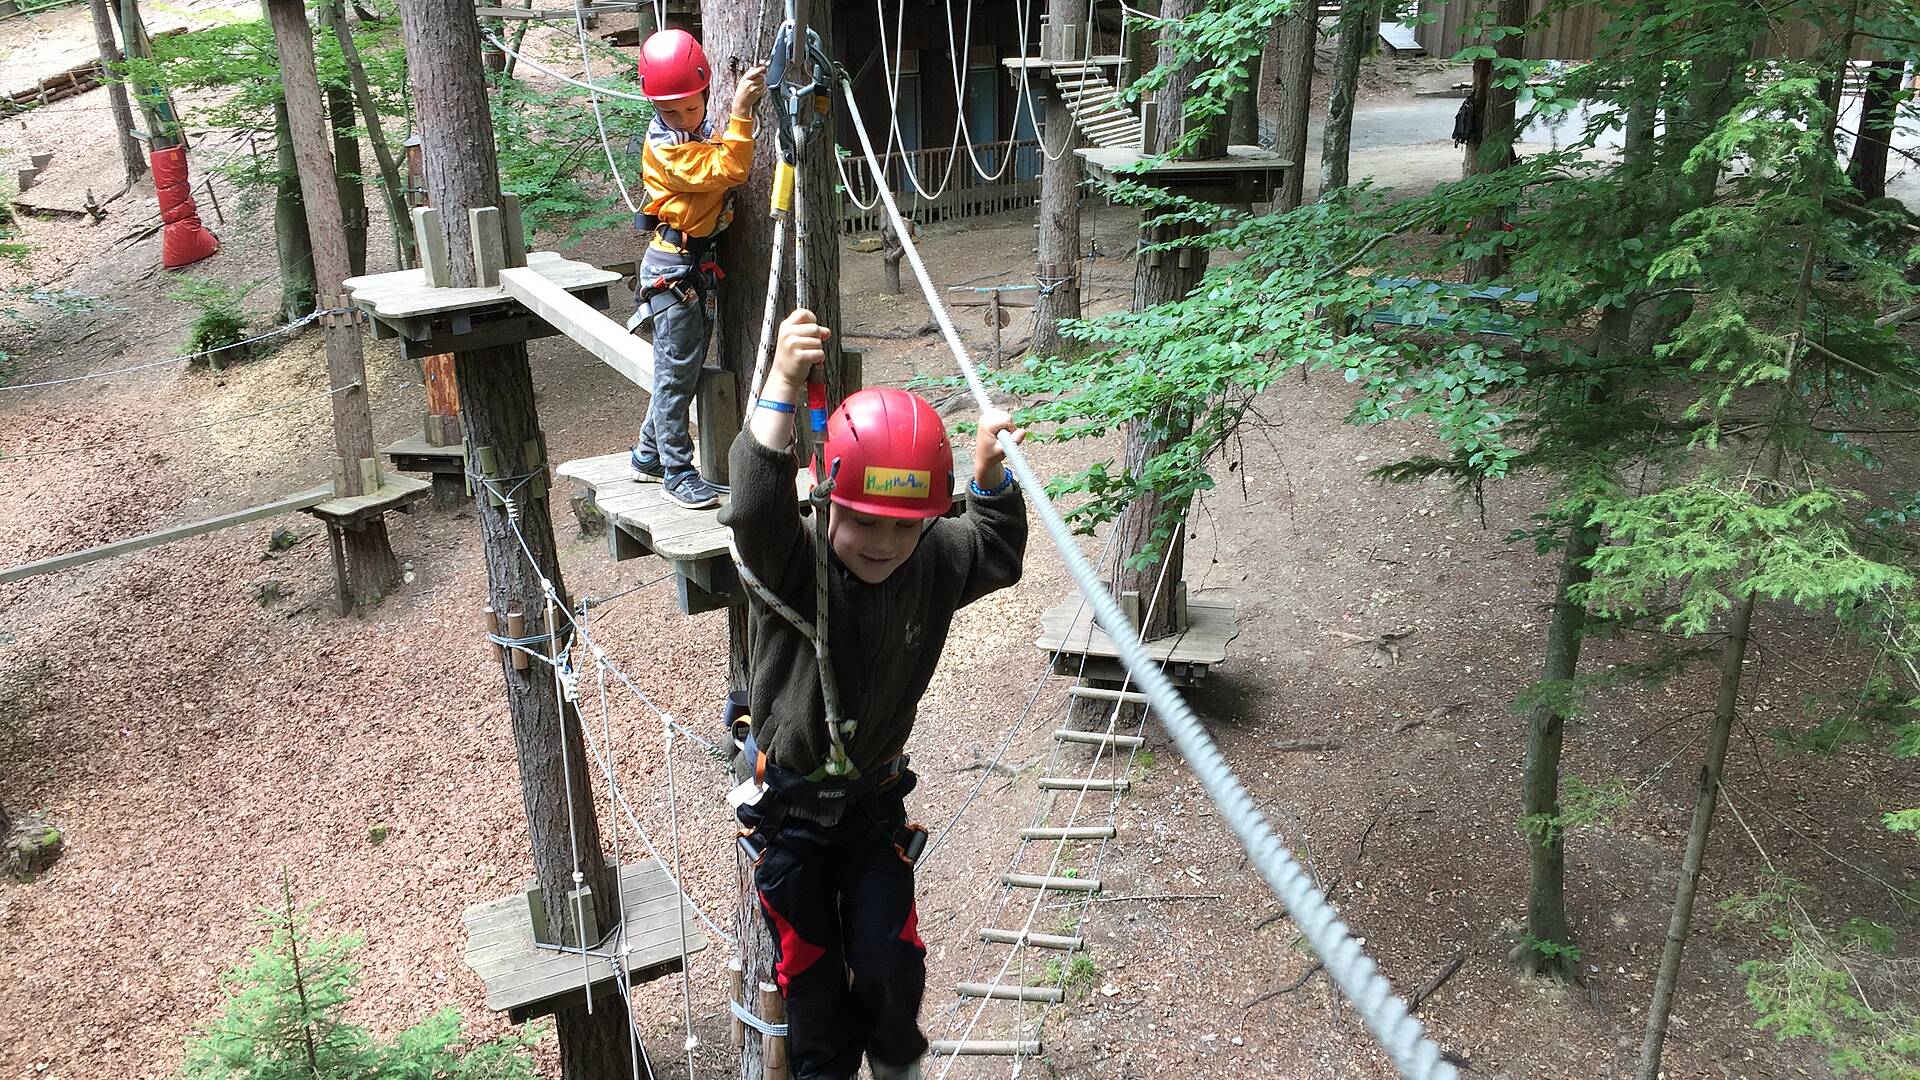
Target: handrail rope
[(593, 94), (673, 834), (1060, 846), (566, 777), (273, 333), (102, 444), (620, 946), (578, 627), (545, 70), (1397, 1030)]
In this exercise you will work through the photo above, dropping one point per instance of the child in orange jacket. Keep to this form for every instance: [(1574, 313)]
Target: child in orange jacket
[(689, 170)]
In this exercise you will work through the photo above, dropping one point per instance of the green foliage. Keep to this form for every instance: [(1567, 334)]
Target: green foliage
[(1551, 951), (284, 1019), (221, 323), (1075, 976), (1580, 804), (1903, 821), (550, 153), (1869, 935)]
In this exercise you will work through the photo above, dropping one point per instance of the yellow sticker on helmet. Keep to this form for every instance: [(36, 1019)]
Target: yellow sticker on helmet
[(898, 483)]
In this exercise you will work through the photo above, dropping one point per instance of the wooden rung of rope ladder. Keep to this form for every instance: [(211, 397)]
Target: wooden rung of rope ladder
[(1099, 738), (1101, 693), (1080, 783), (1057, 884), (1049, 994), (984, 1047), (1038, 941), (1070, 832)]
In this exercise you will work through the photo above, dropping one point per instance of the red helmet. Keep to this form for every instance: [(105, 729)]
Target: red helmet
[(894, 460), (673, 66)]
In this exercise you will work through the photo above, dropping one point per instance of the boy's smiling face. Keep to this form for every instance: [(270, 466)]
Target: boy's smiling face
[(871, 546), (686, 114)]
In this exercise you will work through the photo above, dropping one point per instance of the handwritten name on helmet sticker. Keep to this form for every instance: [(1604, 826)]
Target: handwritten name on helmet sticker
[(898, 483)]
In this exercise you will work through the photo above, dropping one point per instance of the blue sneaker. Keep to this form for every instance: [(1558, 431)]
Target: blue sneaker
[(646, 469), (690, 491)]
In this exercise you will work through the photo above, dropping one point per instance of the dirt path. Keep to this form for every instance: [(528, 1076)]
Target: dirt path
[(196, 722)]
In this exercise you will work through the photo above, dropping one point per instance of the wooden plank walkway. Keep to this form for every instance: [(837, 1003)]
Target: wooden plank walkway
[(291, 504), (643, 511), (525, 979)]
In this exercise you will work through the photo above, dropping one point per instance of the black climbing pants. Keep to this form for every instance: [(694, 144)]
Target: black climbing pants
[(838, 900)]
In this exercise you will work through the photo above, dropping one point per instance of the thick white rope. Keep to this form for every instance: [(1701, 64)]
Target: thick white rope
[(593, 94), (1399, 1033)]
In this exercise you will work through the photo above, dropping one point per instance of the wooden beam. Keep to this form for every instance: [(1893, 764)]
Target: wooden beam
[(287, 505), (596, 333)]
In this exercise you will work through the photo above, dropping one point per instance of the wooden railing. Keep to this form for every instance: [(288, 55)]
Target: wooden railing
[(965, 195)]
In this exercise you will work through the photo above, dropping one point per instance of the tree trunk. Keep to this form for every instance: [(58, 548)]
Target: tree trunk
[(1706, 799), (291, 238), (371, 567), (496, 398), (1358, 23), (393, 186), (1540, 801), (131, 158), (1057, 269), (1243, 115), (1491, 148), (1147, 549), (1879, 109), (1294, 75), (891, 252), (348, 180)]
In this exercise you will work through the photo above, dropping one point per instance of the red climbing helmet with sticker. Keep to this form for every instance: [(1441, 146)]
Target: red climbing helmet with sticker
[(673, 66), (894, 459)]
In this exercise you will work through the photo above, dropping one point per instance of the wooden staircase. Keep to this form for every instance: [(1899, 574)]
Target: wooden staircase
[(1097, 109)]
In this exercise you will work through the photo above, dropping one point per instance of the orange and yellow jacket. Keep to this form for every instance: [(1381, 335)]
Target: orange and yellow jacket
[(688, 175)]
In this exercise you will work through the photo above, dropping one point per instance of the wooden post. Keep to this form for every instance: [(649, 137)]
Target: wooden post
[(735, 984), (371, 566), (774, 1047), (130, 155), (1058, 261), (442, 39)]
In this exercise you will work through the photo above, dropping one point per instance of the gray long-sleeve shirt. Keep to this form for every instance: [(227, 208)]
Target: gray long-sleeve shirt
[(885, 639)]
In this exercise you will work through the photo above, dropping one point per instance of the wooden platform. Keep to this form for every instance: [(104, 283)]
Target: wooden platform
[(429, 320), (641, 520), (1246, 174), (1069, 630), (394, 493), (415, 454), (525, 980)]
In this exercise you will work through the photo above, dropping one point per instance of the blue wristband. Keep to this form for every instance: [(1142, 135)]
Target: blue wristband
[(776, 406), (974, 486)]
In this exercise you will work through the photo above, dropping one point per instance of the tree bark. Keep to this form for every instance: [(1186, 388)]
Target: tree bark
[(496, 397), (1147, 549), (1706, 799), (1057, 268), (1294, 75), (1540, 802), (1358, 24), (131, 158), (347, 178), (1879, 109), (371, 567), (1243, 116), (292, 240), (1491, 149), (393, 186)]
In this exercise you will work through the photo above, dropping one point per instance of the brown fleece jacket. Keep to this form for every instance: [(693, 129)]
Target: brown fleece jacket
[(885, 639)]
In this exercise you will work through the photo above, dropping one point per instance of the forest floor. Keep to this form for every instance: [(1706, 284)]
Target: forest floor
[(197, 722)]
